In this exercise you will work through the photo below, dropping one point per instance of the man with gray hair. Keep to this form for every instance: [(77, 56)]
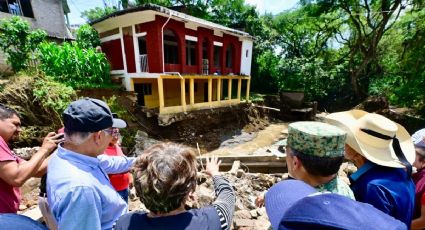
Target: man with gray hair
[(79, 192)]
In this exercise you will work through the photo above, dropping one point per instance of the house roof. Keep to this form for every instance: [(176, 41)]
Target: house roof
[(175, 14)]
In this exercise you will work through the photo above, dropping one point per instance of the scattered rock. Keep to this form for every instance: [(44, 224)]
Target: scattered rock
[(26, 153), (240, 173), (254, 214), (242, 214), (246, 223), (22, 207)]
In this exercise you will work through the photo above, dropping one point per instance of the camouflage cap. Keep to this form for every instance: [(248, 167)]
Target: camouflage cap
[(316, 139)]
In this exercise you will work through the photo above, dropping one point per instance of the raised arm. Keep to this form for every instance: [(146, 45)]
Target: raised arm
[(16, 174), (225, 202), (115, 164)]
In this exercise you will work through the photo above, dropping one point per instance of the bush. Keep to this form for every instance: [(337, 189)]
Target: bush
[(18, 42), (53, 95), (40, 102), (74, 66), (128, 134), (87, 37)]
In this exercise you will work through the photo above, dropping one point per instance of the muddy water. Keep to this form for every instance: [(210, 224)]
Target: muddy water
[(263, 142)]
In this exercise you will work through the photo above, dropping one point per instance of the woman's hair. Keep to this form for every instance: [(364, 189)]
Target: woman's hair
[(164, 175)]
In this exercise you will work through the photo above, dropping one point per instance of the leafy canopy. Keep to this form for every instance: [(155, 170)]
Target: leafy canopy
[(87, 37), (19, 42)]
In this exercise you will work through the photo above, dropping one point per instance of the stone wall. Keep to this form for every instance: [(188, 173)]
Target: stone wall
[(48, 15)]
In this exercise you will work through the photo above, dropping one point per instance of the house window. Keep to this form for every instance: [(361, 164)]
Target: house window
[(17, 7), (190, 52), (246, 53), (229, 56), (217, 55), (171, 48), (143, 54), (143, 88), (142, 45)]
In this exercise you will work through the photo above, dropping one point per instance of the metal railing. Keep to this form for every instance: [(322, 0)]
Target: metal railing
[(144, 63), (205, 66)]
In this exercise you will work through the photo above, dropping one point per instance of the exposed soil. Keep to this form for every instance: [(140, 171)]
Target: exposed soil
[(209, 128)]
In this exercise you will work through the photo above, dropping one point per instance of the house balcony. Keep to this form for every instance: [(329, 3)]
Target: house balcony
[(175, 93)]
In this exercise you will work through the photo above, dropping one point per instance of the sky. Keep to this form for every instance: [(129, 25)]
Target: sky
[(269, 6)]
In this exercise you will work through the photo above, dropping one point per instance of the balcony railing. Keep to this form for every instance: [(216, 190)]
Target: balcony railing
[(144, 63), (205, 67)]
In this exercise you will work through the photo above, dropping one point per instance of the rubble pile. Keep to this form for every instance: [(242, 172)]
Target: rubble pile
[(247, 187)]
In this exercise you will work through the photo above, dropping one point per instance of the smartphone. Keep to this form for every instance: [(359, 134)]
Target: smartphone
[(60, 137)]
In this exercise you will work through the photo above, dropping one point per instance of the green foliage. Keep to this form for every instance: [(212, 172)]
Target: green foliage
[(52, 94), (39, 101), (74, 66), (402, 53), (87, 37), (128, 134), (98, 12), (311, 76), (335, 51), (18, 41)]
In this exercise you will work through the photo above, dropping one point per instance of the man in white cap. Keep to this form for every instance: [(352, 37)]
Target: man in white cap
[(383, 152), (79, 192)]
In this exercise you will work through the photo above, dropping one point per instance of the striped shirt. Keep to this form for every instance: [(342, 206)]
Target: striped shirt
[(225, 202)]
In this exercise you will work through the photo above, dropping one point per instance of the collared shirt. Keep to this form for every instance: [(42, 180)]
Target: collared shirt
[(9, 196), (338, 186), (119, 181), (390, 190), (80, 194)]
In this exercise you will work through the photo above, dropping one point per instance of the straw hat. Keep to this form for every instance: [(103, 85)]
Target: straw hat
[(358, 123)]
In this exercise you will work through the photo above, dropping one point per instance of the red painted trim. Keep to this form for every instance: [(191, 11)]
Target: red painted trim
[(129, 53), (154, 49), (112, 50)]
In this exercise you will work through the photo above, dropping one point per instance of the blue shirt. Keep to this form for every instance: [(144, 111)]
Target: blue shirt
[(79, 192), (390, 190), (194, 219)]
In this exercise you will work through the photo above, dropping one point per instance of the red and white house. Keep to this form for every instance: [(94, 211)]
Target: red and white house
[(176, 62)]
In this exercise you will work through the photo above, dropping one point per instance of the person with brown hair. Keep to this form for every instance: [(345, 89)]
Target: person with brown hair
[(165, 178)]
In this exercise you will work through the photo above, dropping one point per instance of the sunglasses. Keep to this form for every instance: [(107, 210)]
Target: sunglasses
[(113, 132)]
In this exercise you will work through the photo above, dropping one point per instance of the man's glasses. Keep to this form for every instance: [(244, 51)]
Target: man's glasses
[(113, 132)]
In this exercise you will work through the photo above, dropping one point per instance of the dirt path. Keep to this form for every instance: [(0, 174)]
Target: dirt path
[(263, 143)]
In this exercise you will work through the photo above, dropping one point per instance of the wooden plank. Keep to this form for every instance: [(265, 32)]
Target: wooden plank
[(269, 108)]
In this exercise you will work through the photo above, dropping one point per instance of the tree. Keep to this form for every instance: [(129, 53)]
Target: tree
[(365, 24), (87, 37), (97, 12), (18, 41)]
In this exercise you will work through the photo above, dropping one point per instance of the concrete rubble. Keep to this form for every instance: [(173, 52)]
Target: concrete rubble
[(247, 187)]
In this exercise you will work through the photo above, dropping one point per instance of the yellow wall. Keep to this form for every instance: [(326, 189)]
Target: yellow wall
[(151, 101), (172, 92)]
